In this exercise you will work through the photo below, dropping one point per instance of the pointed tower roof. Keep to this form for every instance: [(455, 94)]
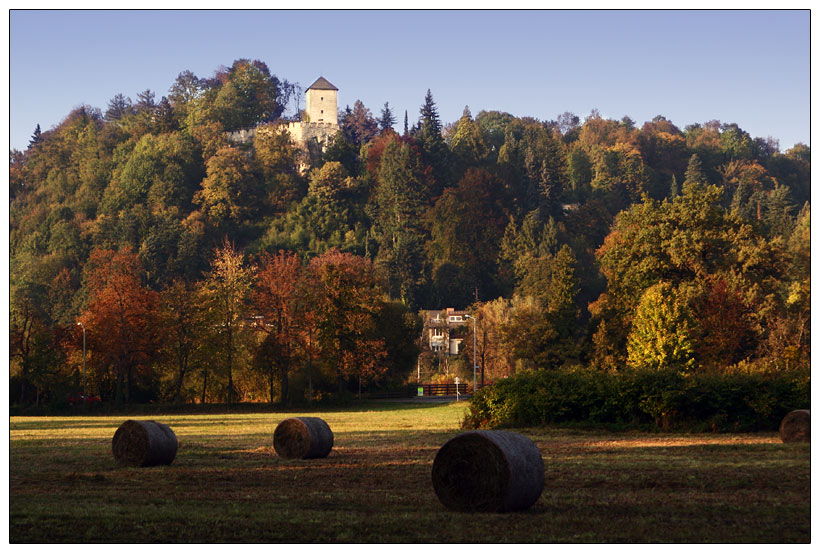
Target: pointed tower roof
[(322, 84)]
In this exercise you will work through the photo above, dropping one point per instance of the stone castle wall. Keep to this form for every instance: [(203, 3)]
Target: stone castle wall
[(302, 133)]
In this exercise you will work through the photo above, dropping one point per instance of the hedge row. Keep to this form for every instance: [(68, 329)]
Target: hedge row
[(736, 401)]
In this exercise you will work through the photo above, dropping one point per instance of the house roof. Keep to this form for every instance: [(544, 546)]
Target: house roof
[(322, 84)]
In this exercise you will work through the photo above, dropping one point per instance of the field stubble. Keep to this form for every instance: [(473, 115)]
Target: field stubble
[(228, 485)]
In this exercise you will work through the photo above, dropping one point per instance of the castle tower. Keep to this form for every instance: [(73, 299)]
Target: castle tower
[(321, 99)]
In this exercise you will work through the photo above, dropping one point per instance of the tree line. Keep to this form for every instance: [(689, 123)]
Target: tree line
[(594, 242)]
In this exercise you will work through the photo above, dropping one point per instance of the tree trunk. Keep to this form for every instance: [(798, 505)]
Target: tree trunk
[(128, 384), (183, 366), (283, 383), (204, 385), (310, 367), (23, 381), (230, 363), (178, 391), (118, 391)]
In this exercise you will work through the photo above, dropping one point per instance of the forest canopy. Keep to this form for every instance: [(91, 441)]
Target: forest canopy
[(214, 269)]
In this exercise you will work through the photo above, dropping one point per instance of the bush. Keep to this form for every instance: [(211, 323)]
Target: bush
[(732, 400)]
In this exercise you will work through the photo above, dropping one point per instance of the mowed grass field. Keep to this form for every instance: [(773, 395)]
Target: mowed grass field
[(228, 485)]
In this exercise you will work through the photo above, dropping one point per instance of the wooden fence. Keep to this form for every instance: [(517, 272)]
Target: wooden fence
[(448, 389)]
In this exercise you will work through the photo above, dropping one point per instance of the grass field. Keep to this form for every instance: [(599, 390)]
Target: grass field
[(227, 484)]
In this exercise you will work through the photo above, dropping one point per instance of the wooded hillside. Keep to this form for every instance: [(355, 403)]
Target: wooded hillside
[(210, 270)]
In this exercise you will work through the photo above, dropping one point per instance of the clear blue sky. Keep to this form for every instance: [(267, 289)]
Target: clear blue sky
[(747, 67)]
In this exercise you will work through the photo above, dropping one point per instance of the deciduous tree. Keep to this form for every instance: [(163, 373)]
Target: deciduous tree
[(226, 289), (121, 317)]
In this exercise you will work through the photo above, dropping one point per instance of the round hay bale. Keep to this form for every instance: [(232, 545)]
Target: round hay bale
[(303, 438), (488, 470), (796, 426), (144, 444)]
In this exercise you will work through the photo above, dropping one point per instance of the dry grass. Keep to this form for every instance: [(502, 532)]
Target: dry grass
[(228, 485)]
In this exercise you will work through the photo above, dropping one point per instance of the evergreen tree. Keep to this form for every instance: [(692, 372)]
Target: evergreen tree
[(401, 199), (387, 120), (145, 100), (694, 172), (434, 151), (118, 107), (431, 124), (36, 138), (406, 128)]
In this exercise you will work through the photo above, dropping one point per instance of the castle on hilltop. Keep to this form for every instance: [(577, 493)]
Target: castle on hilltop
[(320, 120)]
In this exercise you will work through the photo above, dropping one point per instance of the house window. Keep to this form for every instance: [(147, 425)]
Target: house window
[(437, 332), (455, 319)]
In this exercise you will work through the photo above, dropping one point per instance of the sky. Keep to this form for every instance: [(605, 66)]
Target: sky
[(746, 67)]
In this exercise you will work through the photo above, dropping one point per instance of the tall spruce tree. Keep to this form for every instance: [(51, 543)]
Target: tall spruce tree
[(36, 138), (401, 198), (434, 150), (387, 120)]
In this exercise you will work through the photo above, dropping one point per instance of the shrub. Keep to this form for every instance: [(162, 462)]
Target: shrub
[(731, 400)]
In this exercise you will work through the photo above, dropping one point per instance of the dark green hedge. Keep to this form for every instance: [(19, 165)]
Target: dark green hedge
[(737, 401)]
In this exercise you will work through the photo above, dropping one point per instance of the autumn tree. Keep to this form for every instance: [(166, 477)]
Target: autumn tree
[(277, 158), (346, 299), (661, 335), (689, 240), (226, 289), (230, 191), (359, 126), (330, 181), (249, 94), (121, 317), (161, 170), (467, 224), (184, 321), (277, 301)]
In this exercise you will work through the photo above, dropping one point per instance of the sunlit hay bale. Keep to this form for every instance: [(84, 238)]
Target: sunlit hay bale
[(796, 426), (303, 438), (144, 444), (490, 471)]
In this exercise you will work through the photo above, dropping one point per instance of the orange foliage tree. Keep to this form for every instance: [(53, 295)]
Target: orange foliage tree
[(276, 299), (346, 299), (121, 317)]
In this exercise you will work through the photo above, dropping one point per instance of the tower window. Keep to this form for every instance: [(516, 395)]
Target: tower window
[(321, 111), (322, 98)]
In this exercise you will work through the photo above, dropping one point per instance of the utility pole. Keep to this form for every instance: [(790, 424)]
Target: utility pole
[(475, 354), (84, 388)]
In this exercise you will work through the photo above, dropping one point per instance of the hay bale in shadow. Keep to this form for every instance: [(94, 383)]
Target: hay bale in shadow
[(796, 426), (488, 470), (303, 438), (144, 444)]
